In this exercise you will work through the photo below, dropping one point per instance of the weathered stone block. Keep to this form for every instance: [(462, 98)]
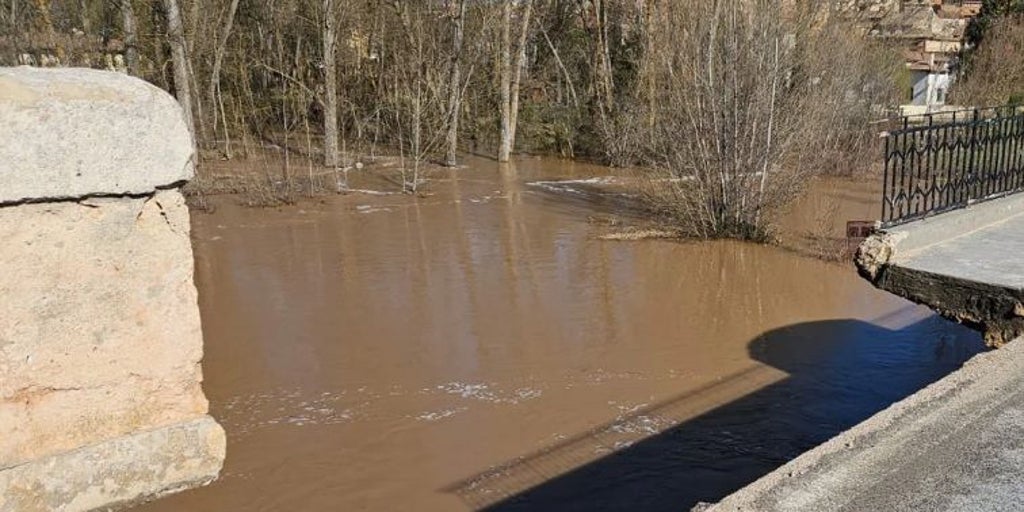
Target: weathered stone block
[(117, 472), (100, 332), (70, 133), (100, 340)]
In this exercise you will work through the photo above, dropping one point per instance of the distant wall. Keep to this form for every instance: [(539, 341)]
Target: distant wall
[(100, 340), (55, 49)]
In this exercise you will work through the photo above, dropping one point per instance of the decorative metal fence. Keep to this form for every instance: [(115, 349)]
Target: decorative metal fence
[(948, 160)]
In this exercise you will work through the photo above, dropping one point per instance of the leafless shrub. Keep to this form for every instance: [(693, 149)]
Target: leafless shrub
[(741, 109), (848, 82), (416, 92), (260, 179)]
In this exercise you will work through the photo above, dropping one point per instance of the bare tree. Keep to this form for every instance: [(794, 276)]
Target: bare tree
[(741, 92), (416, 89), (505, 82), (44, 17), (131, 37), (995, 71), (179, 61), (602, 59), (511, 75), (213, 89), (330, 45), (517, 74), (637, 81), (12, 16), (84, 16), (455, 83)]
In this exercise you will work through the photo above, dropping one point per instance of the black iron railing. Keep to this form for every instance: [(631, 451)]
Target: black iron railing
[(943, 161)]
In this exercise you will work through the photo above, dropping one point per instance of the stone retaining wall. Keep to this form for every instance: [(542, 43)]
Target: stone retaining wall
[(100, 340)]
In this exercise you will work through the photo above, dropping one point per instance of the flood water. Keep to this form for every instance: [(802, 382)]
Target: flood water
[(481, 347)]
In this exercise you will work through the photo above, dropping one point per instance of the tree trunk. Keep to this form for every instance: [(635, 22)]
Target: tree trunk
[(131, 37), (218, 60), (45, 18), (602, 60), (417, 136), (455, 86), (83, 12), (561, 66), (330, 85), (193, 26), (176, 39), (197, 106), (518, 73), (505, 86)]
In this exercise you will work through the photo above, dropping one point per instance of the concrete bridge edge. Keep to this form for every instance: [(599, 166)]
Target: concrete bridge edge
[(994, 308)]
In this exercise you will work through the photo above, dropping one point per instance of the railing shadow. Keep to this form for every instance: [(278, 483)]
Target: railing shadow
[(834, 374)]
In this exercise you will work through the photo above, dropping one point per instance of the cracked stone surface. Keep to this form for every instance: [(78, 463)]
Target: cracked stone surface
[(99, 327), (72, 133)]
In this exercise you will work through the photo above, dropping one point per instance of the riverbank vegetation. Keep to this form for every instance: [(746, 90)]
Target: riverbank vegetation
[(993, 71), (728, 105), (737, 107)]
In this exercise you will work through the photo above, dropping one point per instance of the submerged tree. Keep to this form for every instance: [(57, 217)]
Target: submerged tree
[(329, 39), (737, 89), (511, 73), (457, 13), (712, 95)]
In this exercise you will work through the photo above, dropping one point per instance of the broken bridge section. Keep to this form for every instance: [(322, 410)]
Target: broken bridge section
[(952, 230), (100, 340)]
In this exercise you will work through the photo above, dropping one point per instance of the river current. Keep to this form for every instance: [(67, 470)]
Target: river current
[(481, 347)]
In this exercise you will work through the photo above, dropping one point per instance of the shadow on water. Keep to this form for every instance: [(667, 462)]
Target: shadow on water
[(815, 380)]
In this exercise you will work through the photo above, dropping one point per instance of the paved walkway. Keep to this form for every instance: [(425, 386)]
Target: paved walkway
[(993, 255)]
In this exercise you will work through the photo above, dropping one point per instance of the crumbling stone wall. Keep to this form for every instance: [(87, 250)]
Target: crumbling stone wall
[(993, 307), (100, 340)]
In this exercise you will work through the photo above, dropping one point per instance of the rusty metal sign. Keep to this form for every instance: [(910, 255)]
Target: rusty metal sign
[(856, 232)]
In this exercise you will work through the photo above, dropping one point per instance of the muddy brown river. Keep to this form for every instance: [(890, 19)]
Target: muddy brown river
[(482, 348)]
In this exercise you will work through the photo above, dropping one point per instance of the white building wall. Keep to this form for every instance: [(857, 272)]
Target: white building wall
[(930, 89)]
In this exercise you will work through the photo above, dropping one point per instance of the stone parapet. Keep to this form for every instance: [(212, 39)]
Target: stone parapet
[(73, 133), (100, 339)]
